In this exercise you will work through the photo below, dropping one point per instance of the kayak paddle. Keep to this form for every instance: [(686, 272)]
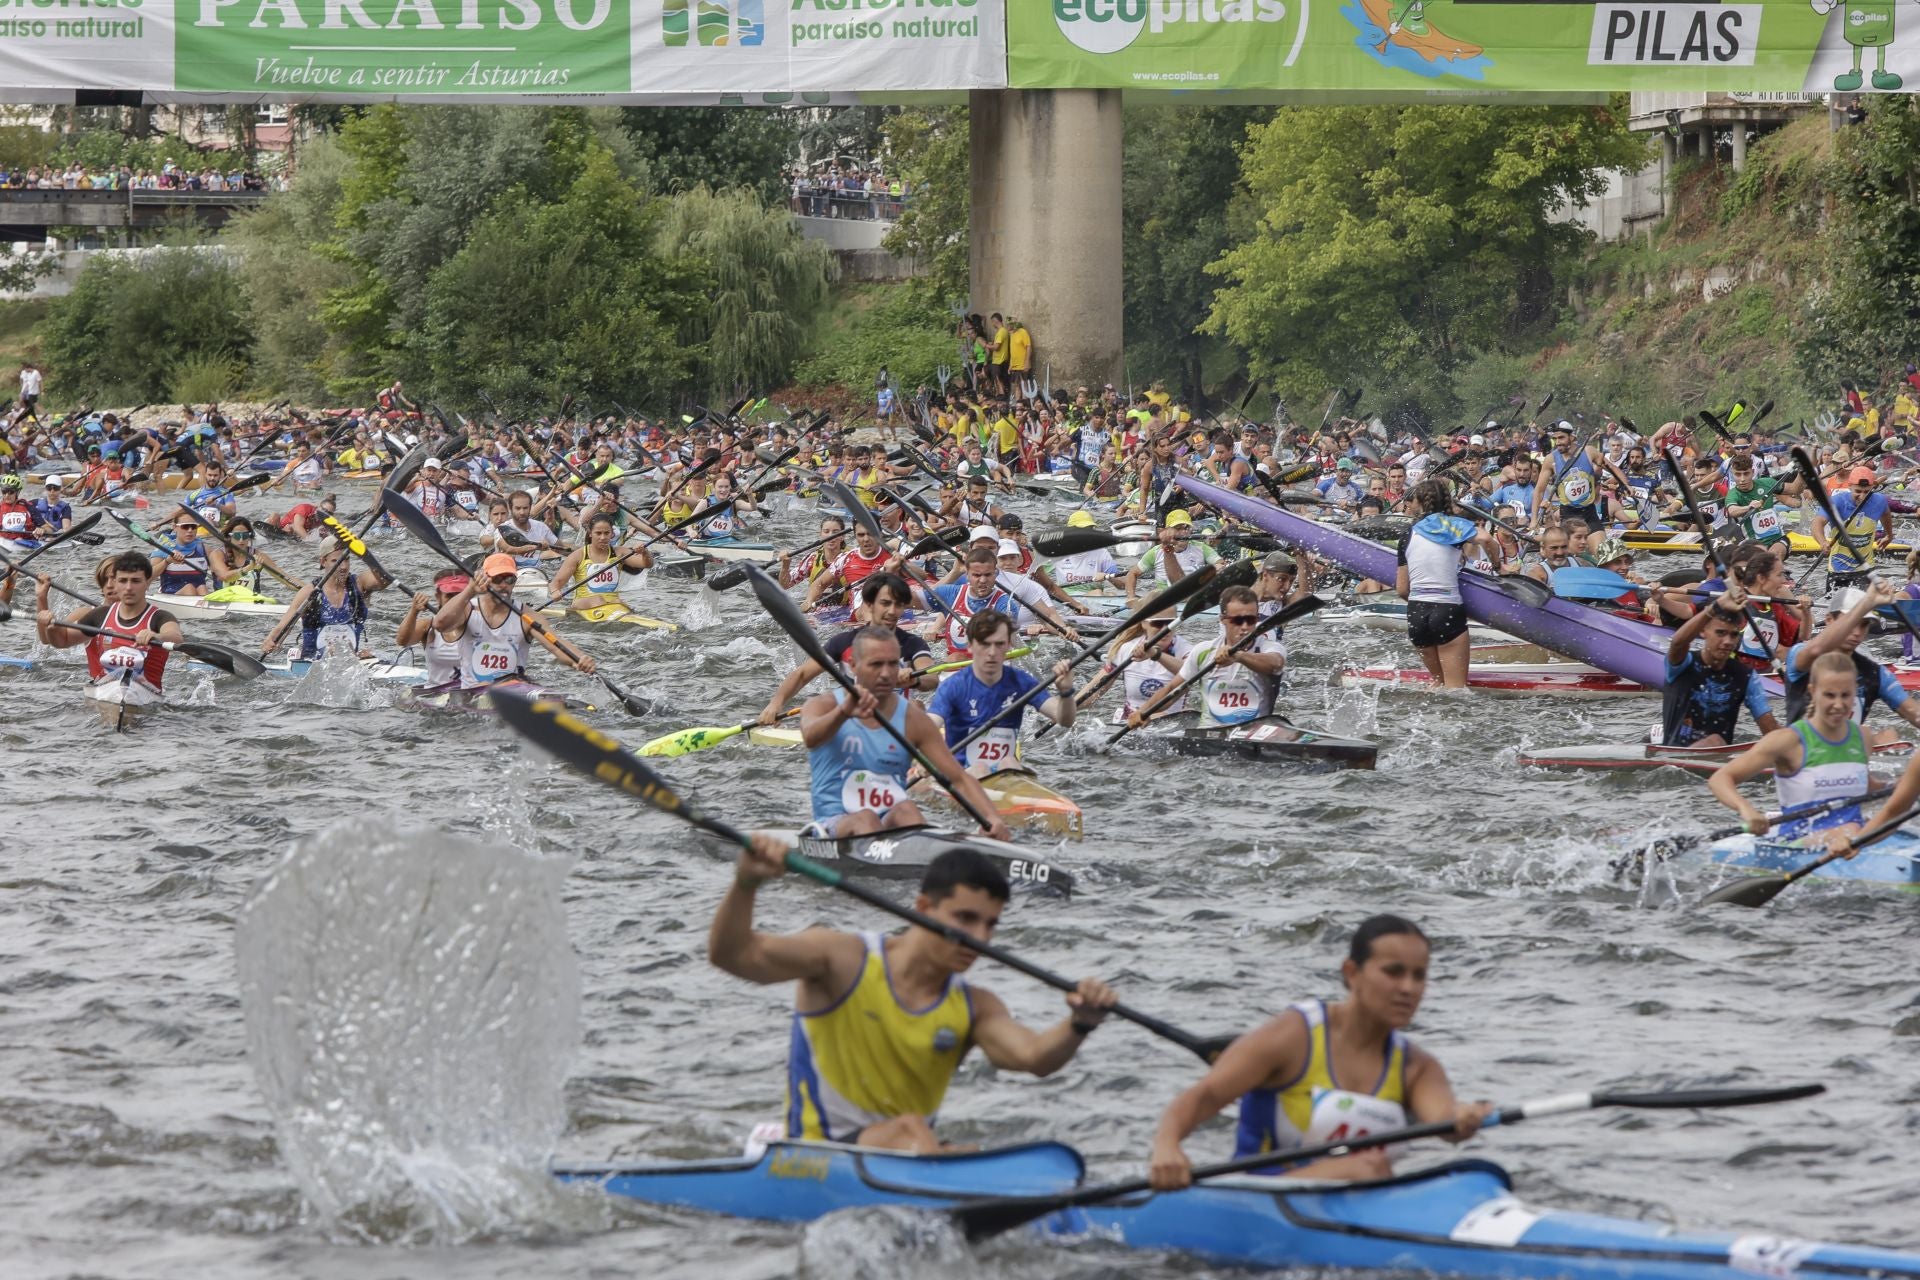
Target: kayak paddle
[(77, 530), (420, 525), (1298, 609), (1758, 891), (231, 661), (1666, 847), (549, 725), (687, 741), (983, 1219), (1187, 586), (794, 623), (1578, 582), (1707, 544)]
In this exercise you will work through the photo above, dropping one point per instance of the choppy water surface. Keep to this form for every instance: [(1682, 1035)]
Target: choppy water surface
[(134, 1141)]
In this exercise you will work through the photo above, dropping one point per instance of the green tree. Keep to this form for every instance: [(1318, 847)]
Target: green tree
[(717, 147), (564, 296), (131, 322), (767, 291), (930, 154), (1394, 243), (1181, 167), (1860, 326)]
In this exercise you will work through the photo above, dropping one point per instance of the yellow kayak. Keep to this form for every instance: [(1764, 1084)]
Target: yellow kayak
[(1679, 543), (605, 613), (1021, 798)]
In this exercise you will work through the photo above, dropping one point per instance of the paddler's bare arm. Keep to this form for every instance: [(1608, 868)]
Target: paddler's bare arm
[(924, 732), (1832, 637), (823, 715), (1276, 1049), (1060, 706), (1430, 1097), (1013, 1047), (559, 584), (278, 632), (819, 958), (1777, 750)]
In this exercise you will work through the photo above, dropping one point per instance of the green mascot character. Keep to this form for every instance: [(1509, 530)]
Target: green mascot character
[(1865, 24)]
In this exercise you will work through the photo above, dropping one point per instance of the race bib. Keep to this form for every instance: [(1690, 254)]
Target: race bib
[(491, 660), (13, 522), (468, 499), (211, 514), (607, 579), (1339, 1115), (876, 792), (124, 657), (338, 638), (996, 750), (1766, 523), (1576, 488), (1233, 700)]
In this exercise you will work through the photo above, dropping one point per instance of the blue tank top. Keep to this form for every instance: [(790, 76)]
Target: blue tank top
[(322, 615), (860, 768)]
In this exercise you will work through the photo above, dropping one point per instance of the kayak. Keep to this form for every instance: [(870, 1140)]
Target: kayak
[(217, 608), (1415, 34), (382, 670), (1632, 649), (527, 581), (601, 614), (734, 549), (1894, 861), (122, 699), (903, 854), (1019, 797), (778, 735), (1458, 1219), (841, 615), (1700, 760), (475, 701), (23, 664), (1687, 542), (680, 566), (1561, 679), (1272, 738)]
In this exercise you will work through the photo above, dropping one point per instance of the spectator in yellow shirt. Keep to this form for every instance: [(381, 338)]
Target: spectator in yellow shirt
[(997, 365), (1019, 351)]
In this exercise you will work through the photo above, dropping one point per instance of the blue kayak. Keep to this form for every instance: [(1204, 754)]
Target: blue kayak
[(24, 664), (1459, 1219), (1894, 861)]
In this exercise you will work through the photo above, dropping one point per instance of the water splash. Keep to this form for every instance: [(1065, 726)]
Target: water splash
[(412, 1009)]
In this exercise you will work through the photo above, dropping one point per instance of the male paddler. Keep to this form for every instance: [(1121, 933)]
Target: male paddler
[(1242, 686), (131, 648), (1700, 703), (884, 600), (1843, 632), (1817, 759), (880, 1023), (858, 770), (492, 636), (973, 697)]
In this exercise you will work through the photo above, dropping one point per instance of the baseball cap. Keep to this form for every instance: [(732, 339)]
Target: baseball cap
[(431, 462), (452, 581), (984, 532), (1012, 521), (1861, 475), (1080, 520), (1277, 562), (1562, 425), (1008, 547), (1477, 440), (1345, 464), (1842, 600), (1178, 519), (53, 482), (498, 564)]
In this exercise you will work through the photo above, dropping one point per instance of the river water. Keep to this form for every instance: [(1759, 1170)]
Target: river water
[(135, 1142)]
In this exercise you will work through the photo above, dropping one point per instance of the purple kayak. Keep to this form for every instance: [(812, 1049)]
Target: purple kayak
[(1635, 650)]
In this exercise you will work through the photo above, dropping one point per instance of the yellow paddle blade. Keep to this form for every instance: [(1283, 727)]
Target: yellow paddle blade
[(940, 667), (689, 740)]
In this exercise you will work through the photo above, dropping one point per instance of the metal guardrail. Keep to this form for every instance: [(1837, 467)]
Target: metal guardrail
[(878, 206), (24, 203)]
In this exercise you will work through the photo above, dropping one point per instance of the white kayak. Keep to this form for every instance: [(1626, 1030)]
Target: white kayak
[(120, 699), (201, 606)]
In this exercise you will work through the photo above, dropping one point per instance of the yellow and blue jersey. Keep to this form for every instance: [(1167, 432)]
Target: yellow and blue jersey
[(867, 1058), (1313, 1108)]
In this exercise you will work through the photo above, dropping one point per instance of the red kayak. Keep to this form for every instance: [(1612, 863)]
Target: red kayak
[(1700, 760), (1560, 679)]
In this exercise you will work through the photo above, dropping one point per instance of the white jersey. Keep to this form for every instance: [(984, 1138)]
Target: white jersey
[(489, 653), (1087, 566), (1144, 677), (1232, 693), (442, 658)]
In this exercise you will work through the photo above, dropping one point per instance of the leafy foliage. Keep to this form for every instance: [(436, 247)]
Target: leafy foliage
[(131, 322), (766, 289), (1395, 240), (930, 153), (900, 330), (717, 147)]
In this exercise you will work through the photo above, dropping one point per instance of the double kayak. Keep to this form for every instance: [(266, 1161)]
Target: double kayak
[(1562, 679), (1457, 1219), (903, 854)]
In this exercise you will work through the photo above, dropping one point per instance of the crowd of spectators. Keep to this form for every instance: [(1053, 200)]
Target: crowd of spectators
[(845, 189), (170, 177)]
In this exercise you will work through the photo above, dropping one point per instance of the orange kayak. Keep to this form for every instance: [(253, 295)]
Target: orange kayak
[(1020, 798)]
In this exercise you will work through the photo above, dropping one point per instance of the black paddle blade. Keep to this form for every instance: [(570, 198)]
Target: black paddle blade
[(548, 724), (419, 525), (728, 579), (1748, 891), (1690, 1098), (636, 705), (231, 661), (6, 611), (784, 611), (940, 540), (1240, 573), (1073, 541), (1528, 591), (858, 510), (257, 478)]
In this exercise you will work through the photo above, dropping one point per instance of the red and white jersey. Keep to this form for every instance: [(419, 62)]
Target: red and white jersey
[(111, 655), (855, 568)]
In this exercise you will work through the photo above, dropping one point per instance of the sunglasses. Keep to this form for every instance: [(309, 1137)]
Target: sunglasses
[(241, 535), (1240, 619), (505, 577), (188, 527)]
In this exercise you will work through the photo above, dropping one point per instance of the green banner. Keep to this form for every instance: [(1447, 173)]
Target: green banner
[(1363, 47)]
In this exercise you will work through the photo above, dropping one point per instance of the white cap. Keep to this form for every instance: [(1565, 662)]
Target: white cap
[(1478, 440), (985, 531), (1008, 547), (431, 462), (1843, 599), (55, 482), (1563, 425), (1493, 424)]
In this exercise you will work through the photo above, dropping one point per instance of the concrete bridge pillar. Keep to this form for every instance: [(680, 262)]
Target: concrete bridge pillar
[(1045, 238)]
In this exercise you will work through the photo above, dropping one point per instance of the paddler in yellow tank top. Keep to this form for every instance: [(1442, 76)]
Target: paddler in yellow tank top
[(1320, 1072), (880, 1023), (590, 575)]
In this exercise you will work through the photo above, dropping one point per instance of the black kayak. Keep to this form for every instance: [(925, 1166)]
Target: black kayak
[(1272, 739), (903, 854)]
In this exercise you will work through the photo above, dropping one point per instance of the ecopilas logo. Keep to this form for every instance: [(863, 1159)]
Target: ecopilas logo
[(1108, 26), (713, 22)]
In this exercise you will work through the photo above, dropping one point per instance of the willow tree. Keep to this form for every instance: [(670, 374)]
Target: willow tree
[(768, 286)]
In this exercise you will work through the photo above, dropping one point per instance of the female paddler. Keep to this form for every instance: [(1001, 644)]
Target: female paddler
[(592, 573), (1428, 579), (1288, 1073), (1816, 760)]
